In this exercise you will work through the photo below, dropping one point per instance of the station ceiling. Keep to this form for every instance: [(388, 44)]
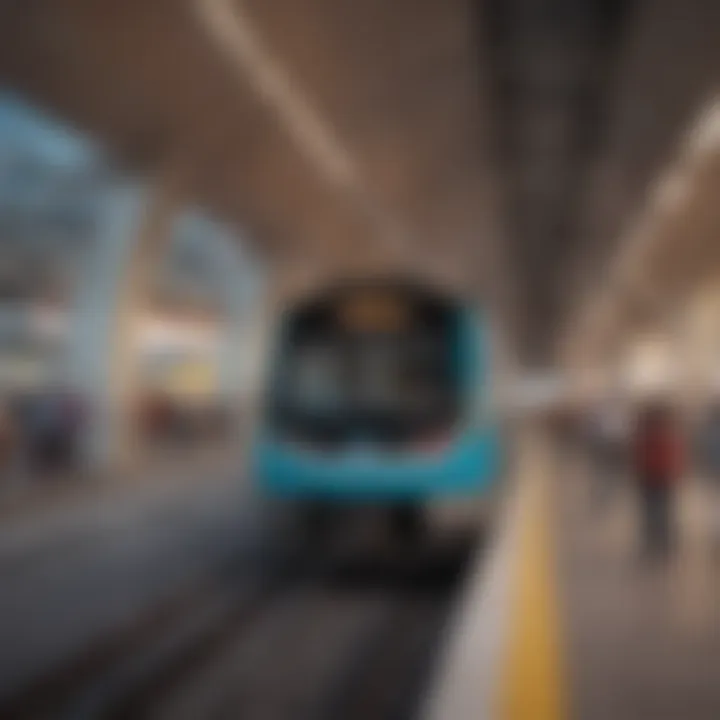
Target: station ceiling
[(513, 138)]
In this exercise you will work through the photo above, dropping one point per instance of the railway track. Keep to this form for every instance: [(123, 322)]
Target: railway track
[(285, 641)]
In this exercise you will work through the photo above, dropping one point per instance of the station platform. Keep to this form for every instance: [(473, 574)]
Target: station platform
[(30, 498), (566, 619), (86, 561)]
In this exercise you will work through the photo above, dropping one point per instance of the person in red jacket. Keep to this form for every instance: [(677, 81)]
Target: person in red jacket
[(659, 466)]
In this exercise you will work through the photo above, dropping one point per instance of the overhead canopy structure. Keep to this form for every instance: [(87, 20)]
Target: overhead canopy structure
[(509, 141)]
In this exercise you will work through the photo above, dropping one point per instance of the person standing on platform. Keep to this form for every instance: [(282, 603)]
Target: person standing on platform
[(8, 441), (658, 467), (609, 434)]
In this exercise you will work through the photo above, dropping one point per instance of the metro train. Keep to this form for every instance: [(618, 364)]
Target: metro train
[(380, 398)]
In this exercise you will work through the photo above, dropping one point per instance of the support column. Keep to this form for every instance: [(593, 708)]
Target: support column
[(238, 351), (134, 227)]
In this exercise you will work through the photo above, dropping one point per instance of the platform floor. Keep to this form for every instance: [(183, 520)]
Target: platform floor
[(640, 641), (566, 619), (91, 559)]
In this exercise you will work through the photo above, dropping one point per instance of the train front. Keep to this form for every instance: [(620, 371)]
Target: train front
[(378, 397)]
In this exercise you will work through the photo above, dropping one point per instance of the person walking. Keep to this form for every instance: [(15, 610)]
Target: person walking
[(8, 441), (658, 467), (608, 441)]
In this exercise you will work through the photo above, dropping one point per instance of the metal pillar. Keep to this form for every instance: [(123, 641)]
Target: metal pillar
[(134, 226), (237, 355)]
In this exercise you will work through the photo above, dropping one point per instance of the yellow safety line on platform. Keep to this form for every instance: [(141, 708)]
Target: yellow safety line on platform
[(532, 681)]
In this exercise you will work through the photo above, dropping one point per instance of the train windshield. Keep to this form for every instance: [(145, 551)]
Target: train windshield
[(369, 367)]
